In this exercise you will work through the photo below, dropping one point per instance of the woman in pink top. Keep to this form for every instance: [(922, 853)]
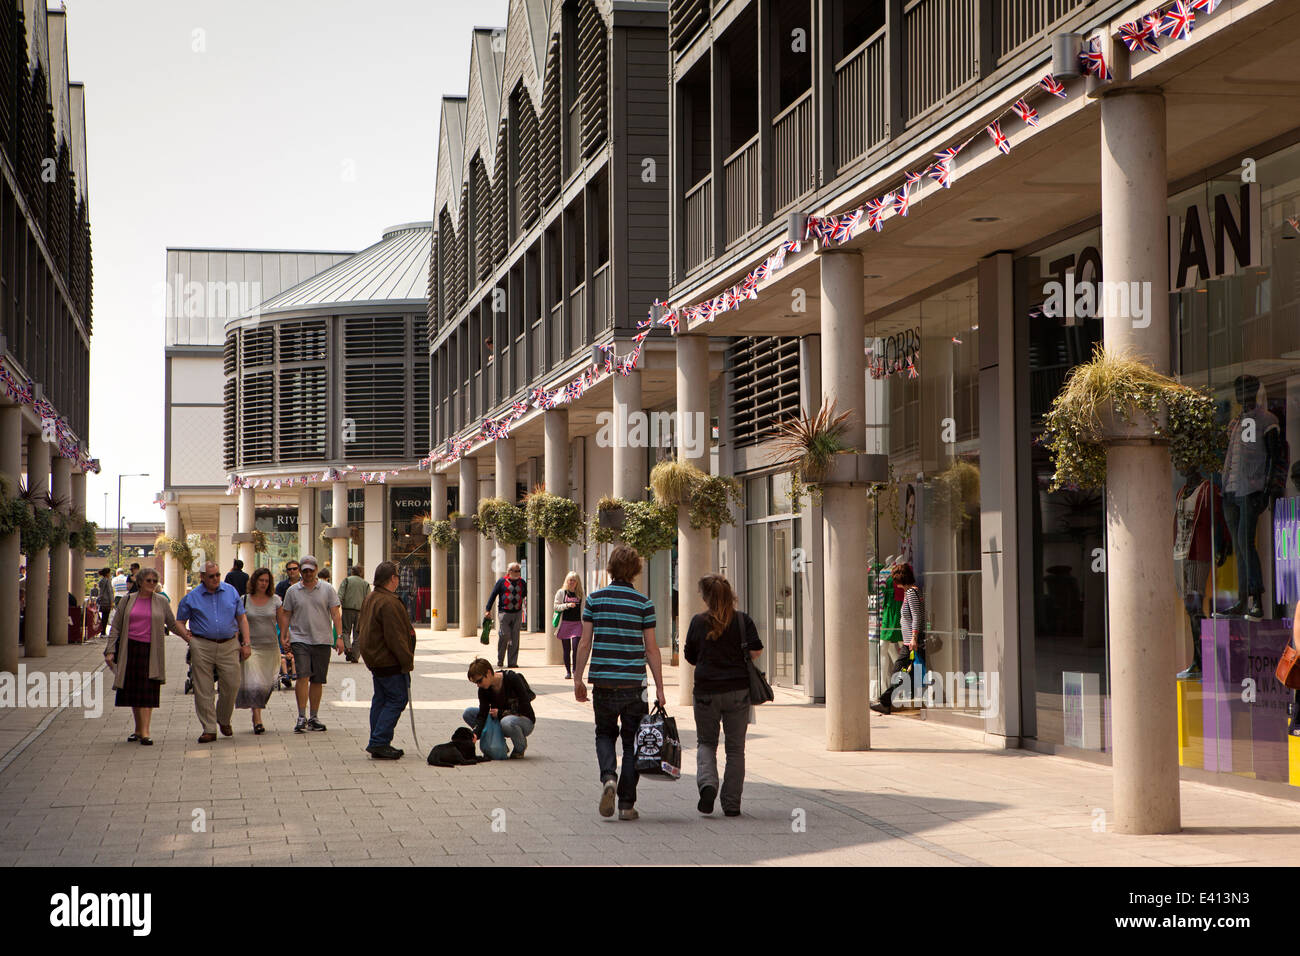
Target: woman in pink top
[(135, 651)]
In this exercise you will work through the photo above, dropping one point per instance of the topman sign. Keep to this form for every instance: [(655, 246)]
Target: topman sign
[(1205, 242)]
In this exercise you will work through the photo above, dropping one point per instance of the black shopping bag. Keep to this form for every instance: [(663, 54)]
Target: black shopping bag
[(658, 748)]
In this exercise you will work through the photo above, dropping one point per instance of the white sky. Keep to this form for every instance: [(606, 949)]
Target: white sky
[(242, 145)]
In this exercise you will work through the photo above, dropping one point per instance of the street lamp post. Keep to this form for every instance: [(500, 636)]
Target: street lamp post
[(142, 474)]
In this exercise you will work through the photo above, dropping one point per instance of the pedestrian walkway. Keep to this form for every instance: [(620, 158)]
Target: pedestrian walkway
[(78, 793)]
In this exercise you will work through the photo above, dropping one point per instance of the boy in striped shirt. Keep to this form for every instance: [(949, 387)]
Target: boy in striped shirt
[(618, 634)]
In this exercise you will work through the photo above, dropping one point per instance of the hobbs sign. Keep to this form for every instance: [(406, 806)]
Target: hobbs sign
[(1203, 244)]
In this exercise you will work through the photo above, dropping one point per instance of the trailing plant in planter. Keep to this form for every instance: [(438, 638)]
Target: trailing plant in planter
[(176, 548), (443, 535), (1075, 430), (83, 535), (502, 521), (648, 527), (259, 541), (674, 482), (711, 502), (553, 518), (606, 533)]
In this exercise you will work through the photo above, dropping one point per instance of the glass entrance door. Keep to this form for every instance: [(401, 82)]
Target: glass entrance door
[(786, 652)]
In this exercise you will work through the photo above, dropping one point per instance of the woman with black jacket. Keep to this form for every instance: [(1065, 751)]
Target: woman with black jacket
[(716, 643)]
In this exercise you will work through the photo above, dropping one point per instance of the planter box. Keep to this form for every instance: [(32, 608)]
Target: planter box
[(464, 523), (336, 533), (242, 537), (611, 519), (427, 527), (857, 469), (1142, 428)]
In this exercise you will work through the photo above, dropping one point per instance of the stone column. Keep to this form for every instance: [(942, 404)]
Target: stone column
[(555, 476), (306, 522), (469, 548), (504, 449), (339, 546), (629, 468), (61, 488), (490, 565), (11, 466), (438, 557), (1139, 578), (694, 546), (247, 512), (844, 509), (227, 526), (172, 570), (76, 556), (38, 564), (376, 542)]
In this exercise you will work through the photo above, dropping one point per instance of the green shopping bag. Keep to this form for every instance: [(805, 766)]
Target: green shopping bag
[(487, 629)]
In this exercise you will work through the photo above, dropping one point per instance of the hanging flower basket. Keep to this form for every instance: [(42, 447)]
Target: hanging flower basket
[(1116, 397), (553, 518), (443, 535), (464, 522), (503, 521)]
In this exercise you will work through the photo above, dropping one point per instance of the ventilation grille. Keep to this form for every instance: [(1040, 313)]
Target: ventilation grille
[(230, 354), (527, 185), (549, 129), (370, 394), (765, 385), (259, 347), (685, 19), (257, 419), (229, 413), (304, 398), (365, 337), (303, 341), (592, 71), (422, 438)]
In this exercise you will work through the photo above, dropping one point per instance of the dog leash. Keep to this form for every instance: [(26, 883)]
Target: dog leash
[(410, 701)]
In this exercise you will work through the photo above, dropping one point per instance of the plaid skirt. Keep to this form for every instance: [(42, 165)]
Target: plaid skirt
[(137, 689)]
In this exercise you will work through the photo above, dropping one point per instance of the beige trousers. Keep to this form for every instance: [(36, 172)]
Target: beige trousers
[(223, 658)]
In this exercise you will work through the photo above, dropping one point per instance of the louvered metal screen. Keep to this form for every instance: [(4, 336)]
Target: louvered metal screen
[(373, 397), (431, 293), (230, 354), (367, 336), (462, 248), (228, 419), (685, 19), (549, 128), (500, 218), (765, 385), (481, 231), (593, 70), (304, 407), (303, 341), (528, 158), (420, 436), (258, 347), (256, 422)]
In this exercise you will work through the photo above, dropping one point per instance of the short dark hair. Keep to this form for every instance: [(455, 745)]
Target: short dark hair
[(358, 570), (104, 572), (384, 573), (239, 565), (135, 565), (479, 668), (624, 563), (904, 576)]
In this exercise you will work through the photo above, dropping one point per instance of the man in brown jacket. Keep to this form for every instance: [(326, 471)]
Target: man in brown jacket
[(388, 649)]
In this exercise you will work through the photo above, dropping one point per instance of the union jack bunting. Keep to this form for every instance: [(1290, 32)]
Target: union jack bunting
[(1138, 36), (1295, 222), (844, 227), (573, 391), (1052, 85), (911, 369), (761, 271), (999, 138), (749, 288), (941, 173), (1093, 61), (1207, 6), (900, 200), (1177, 24), (912, 178), (874, 209), (1026, 112)]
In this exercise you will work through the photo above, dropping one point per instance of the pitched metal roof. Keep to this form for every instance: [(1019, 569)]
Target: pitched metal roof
[(393, 270)]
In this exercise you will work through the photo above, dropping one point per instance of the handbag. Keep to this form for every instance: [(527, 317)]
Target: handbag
[(555, 619), (1288, 667), (487, 629), (760, 691), (658, 748)]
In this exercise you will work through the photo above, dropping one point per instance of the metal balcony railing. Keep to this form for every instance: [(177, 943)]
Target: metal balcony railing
[(792, 152), (940, 51), (577, 318), (539, 349), (557, 332), (601, 312), (861, 101), (1019, 21), (698, 220), (521, 363), (740, 190)]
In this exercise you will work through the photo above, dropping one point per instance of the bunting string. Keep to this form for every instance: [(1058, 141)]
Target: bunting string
[(24, 393)]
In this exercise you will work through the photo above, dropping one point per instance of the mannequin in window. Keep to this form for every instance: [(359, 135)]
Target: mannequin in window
[(1254, 455), (1200, 534)]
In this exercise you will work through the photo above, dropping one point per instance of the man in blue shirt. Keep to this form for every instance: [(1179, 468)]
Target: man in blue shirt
[(215, 616), (618, 633)]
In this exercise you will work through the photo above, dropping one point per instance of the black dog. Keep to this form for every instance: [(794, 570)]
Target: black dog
[(458, 752)]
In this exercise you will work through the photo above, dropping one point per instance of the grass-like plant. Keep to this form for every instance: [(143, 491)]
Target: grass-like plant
[(1122, 387), (674, 482)]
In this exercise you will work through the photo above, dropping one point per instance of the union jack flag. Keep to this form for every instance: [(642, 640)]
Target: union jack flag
[(874, 209), (761, 271), (1052, 85), (1138, 36), (1177, 24), (1093, 61), (941, 173), (911, 369), (1295, 222), (843, 230), (900, 200), (912, 178), (573, 391), (1209, 6), (1026, 112), (999, 138)]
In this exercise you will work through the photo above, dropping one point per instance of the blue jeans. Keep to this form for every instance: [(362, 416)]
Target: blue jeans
[(515, 728), (1242, 512), (386, 706), (618, 713)]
